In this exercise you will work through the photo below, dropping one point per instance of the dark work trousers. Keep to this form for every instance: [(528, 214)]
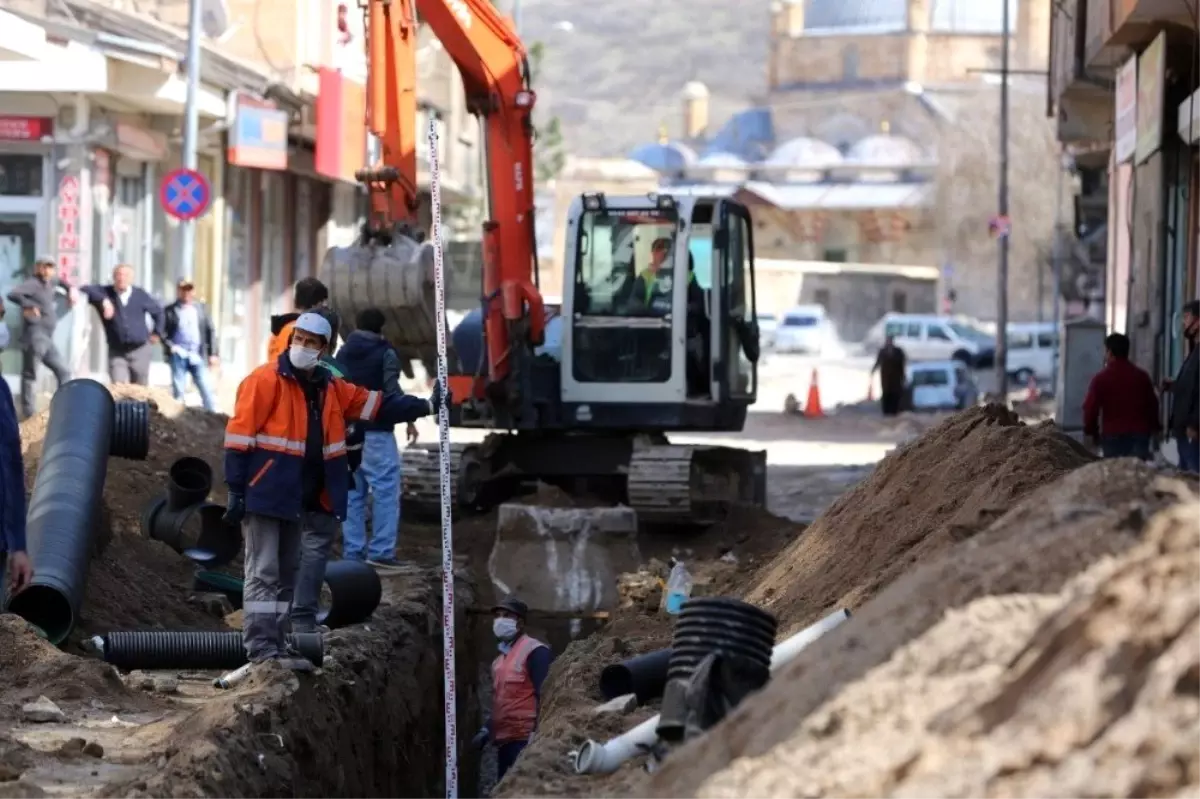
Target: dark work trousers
[(1189, 454), (1127, 446), (890, 401), (130, 364), (506, 756), (317, 533), (3, 578), (38, 347)]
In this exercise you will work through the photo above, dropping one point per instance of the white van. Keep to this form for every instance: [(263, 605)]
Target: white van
[(941, 385), (935, 338), (1031, 351)]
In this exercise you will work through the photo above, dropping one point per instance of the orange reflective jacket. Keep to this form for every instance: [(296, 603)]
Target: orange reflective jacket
[(514, 702), (279, 341), (266, 436)]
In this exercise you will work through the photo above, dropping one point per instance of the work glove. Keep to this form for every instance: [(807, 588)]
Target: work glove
[(481, 738), (438, 398), (235, 509)]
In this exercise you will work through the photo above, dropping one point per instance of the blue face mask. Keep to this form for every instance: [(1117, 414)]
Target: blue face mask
[(504, 628)]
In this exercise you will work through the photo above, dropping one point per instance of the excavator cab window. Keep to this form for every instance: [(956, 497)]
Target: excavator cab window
[(741, 346), (622, 302)]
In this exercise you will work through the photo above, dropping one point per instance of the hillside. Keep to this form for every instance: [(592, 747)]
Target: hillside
[(615, 76)]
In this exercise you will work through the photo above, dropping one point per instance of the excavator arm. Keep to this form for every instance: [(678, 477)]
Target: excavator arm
[(495, 74)]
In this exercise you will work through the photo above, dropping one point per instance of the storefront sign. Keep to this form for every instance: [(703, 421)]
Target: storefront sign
[(259, 137), (1125, 118), (14, 128), (1150, 98), (341, 132), (70, 227)]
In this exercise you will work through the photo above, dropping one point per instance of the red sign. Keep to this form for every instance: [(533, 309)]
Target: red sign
[(68, 228), (25, 128), (341, 148)]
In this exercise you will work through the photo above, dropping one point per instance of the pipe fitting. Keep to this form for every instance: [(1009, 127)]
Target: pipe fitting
[(131, 430), (189, 482)]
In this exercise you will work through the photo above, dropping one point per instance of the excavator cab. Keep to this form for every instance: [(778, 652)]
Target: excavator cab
[(658, 312)]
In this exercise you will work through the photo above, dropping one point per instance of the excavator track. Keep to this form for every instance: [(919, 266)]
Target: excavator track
[(421, 478), (694, 485)]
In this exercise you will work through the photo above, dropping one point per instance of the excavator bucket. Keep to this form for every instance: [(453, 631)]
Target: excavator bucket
[(563, 560)]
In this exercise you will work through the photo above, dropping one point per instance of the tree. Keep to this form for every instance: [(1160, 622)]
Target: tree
[(549, 154), (967, 181)]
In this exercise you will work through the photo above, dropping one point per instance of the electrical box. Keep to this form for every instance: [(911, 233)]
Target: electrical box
[(1081, 356)]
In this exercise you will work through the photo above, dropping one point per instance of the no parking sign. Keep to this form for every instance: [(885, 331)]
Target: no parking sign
[(185, 194)]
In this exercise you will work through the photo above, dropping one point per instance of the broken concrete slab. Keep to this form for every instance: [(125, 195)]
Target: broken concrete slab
[(617, 705), (42, 711)]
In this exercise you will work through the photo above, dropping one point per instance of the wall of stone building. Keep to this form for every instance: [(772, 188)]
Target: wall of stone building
[(772, 239), (948, 58), (1145, 270), (824, 59)]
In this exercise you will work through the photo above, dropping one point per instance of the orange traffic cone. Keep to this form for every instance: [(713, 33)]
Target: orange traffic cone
[(812, 408), (1033, 389)]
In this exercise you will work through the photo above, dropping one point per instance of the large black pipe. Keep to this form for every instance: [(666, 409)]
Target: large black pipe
[(65, 507), (131, 430), (198, 532), (644, 675), (355, 590), (156, 649), (189, 481)]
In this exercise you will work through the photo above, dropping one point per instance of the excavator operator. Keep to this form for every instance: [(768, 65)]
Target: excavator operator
[(652, 288), (285, 465)]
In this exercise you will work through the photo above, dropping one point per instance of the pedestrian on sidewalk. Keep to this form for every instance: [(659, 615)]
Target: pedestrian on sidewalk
[(368, 360), (1120, 410), (518, 673), (16, 572), (891, 363), (189, 344), (285, 465), (133, 323), (38, 299), (1184, 424)]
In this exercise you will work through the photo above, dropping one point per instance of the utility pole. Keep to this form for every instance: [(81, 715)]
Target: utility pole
[(191, 132), (1005, 229)]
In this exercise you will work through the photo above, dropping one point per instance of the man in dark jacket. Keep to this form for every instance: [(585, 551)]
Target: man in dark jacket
[(12, 495), (1121, 407), (189, 344), (368, 360), (1185, 394), (38, 298), (132, 321), (891, 363)]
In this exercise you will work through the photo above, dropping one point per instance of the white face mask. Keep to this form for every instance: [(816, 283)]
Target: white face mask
[(505, 629), (303, 358)]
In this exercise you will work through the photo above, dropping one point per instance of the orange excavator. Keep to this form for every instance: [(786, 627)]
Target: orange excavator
[(656, 332)]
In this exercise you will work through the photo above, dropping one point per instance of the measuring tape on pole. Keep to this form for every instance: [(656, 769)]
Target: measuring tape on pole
[(439, 277)]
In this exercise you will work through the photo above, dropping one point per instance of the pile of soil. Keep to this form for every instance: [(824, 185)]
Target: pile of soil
[(922, 499), (134, 582), (1054, 654)]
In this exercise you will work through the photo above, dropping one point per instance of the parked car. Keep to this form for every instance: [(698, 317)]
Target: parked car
[(805, 329), (768, 325), (1031, 351), (941, 385), (928, 338)]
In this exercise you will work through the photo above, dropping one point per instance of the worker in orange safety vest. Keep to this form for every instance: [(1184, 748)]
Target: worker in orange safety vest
[(286, 468), (517, 677)]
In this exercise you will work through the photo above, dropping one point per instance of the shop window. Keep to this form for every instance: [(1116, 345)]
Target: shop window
[(899, 302), (21, 175)]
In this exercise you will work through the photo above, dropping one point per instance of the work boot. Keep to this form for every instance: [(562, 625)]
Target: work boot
[(297, 663)]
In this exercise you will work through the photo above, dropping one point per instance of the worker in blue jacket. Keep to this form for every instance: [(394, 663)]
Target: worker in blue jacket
[(13, 557)]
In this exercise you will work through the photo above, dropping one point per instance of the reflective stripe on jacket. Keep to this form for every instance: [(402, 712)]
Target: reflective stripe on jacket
[(265, 439), (514, 702)]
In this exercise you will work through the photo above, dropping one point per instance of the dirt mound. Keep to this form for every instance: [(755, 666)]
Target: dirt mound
[(994, 669), (136, 583), (929, 494)]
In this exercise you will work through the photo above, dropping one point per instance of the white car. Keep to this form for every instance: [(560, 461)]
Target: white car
[(805, 329), (929, 338), (1031, 351), (768, 325), (941, 385)]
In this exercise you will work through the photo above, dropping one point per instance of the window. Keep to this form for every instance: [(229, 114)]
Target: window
[(893, 329), (912, 330), (1047, 341), (930, 377), (821, 297), (850, 62), (936, 333), (800, 320), (899, 302), (967, 333), (1020, 341), (836, 256), (20, 175)]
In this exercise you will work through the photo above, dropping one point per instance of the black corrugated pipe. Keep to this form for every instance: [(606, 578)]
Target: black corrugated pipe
[(645, 676), (65, 506), (131, 430), (188, 482), (740, 633), (157, 649), (355, 591), (198, 532)]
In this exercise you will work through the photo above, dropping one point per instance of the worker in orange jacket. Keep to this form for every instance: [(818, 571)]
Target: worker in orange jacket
[(285, 465), (517, 677), (310, 294)]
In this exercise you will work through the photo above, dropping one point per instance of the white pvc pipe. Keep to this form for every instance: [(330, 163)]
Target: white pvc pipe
[(604, 758)]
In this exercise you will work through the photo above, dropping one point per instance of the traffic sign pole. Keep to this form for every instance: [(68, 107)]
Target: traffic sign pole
[(191, 132)]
